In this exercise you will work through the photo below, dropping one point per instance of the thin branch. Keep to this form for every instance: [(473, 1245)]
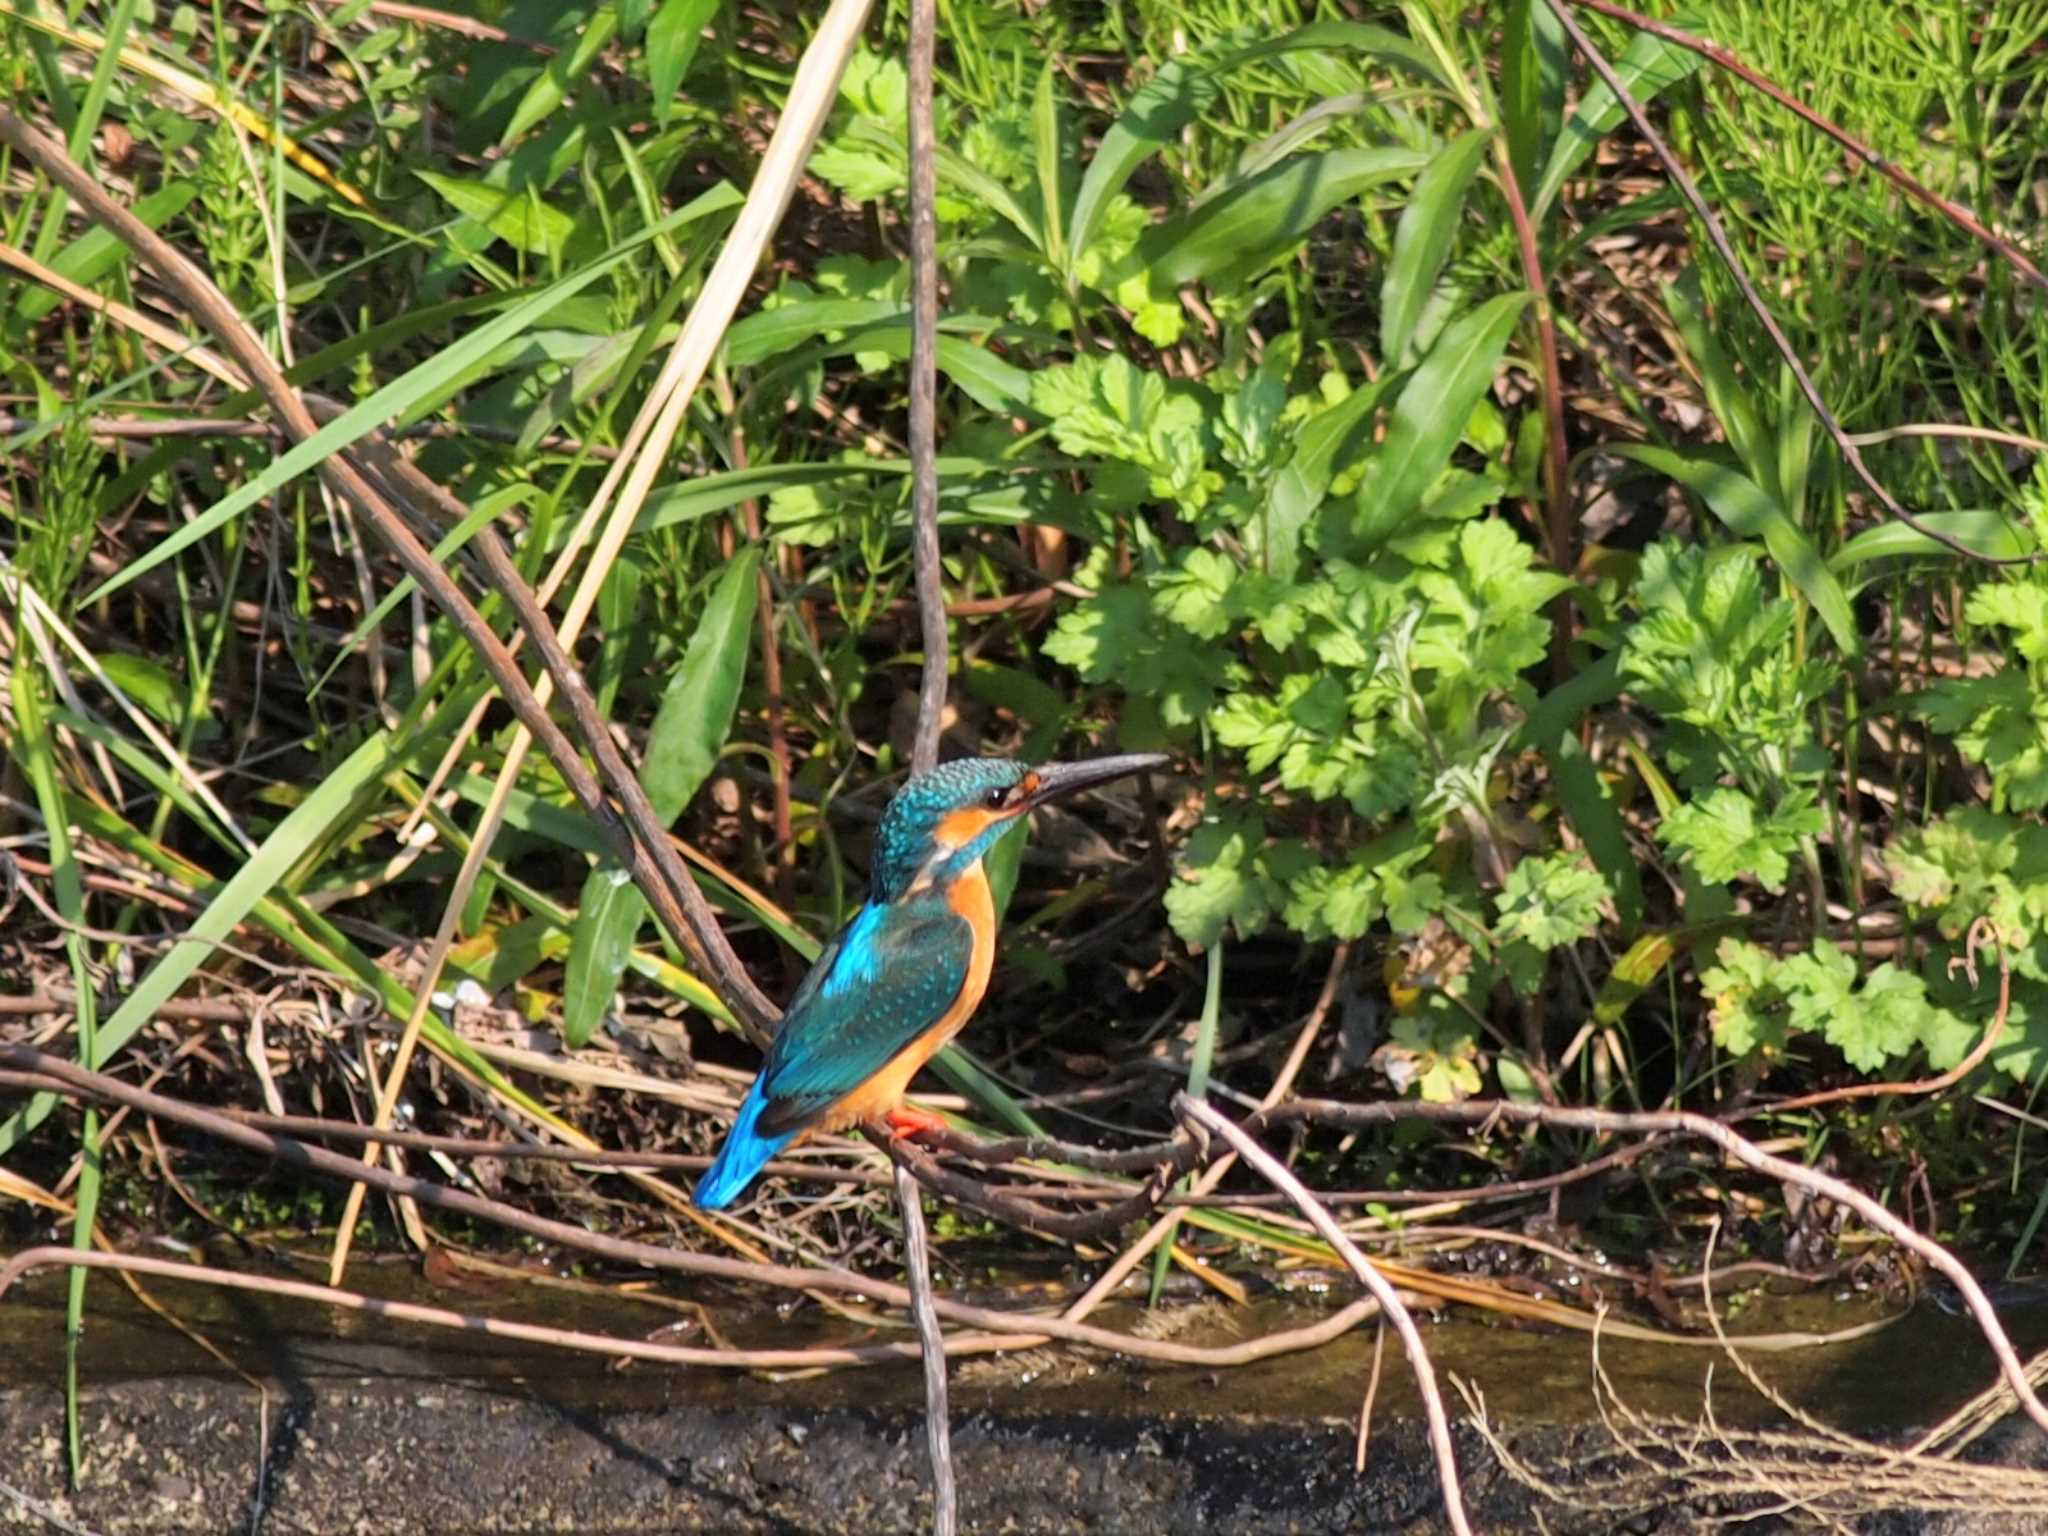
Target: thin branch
[(917, 1265), (122, 427), (1029, 1215), (1744, 1151), (1276, 1173), (1980, 930), (298, 1156), (1844, 444), (924, 376), (1714, 53), (381, 495)]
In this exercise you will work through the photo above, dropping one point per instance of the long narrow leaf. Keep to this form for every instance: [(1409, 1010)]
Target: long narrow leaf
[(419, 390), (1185, 87), (1647, 67), (266, 868), (1743, 506), (1434, 406), (1423, 238), (1238, 230)]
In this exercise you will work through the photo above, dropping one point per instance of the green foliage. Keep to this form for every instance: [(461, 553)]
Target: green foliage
[(1246, 455), (2001, 720), (1761, 1003), (1725, 836)]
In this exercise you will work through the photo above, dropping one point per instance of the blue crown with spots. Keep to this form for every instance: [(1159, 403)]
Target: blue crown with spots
[(904, 840)]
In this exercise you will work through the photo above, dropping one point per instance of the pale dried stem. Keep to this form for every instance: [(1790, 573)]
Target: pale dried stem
[(1392, 1308)]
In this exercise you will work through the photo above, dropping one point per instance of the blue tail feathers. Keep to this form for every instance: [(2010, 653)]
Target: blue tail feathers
[(741, 1158)]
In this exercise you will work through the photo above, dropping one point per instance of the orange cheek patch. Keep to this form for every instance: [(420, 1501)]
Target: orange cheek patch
[(959, 828)]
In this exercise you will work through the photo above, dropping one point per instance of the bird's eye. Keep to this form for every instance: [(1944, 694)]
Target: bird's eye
[(994, 798)]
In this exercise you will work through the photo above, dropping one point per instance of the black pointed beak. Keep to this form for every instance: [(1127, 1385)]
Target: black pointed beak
[(1057, 780)]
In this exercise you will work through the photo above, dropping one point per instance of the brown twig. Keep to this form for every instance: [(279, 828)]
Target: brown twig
[(1735, 1145), (1714, 53), (440, 1317), (1029, 1215), (924, 383), (1718, 237), (917, 1268), (824, 1277), (207, 427), (668, 884)]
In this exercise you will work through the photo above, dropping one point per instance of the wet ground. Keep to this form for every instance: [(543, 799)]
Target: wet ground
[(365, 1425)]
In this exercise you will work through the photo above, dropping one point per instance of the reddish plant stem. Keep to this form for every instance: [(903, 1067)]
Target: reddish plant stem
[(1714, 53), (1724, 248), (1556, 457)]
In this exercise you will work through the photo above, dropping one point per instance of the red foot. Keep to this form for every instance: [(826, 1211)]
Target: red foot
[(903, 1121)]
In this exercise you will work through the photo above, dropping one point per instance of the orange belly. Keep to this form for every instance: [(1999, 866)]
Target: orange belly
[(970, 897)]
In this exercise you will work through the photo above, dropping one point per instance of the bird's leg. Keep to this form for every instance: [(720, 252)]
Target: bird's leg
[(905, 1122)]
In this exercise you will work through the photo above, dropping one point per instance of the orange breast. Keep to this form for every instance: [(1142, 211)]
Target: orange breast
[(971, 898)]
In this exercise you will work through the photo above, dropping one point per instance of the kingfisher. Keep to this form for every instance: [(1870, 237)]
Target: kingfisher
[(905, 973)]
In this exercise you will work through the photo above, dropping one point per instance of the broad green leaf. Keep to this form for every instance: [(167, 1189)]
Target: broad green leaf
[(608, 919), (519, 218), (1237, 230), (1993, 534), (1434, 405), (1747, 511), (1726, 835), (696, 710), (882, 326), (672, 38), (415, 392), (1535, 61), (1647, 67), (1423, 239)]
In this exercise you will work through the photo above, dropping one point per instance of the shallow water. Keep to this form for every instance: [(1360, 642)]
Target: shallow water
[(1927, 1360)]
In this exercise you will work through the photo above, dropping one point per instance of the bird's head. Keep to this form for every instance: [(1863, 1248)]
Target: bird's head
[(940, 822)]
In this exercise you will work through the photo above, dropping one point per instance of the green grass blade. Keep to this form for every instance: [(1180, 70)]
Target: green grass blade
[(1185, 87), (303, 829), (1647, 67), (1994, 534), (37, 758), (419, 390), (1237, 230), (1535, 69)]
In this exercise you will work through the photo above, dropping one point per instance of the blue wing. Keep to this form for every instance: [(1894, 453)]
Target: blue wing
[(890, 975)]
